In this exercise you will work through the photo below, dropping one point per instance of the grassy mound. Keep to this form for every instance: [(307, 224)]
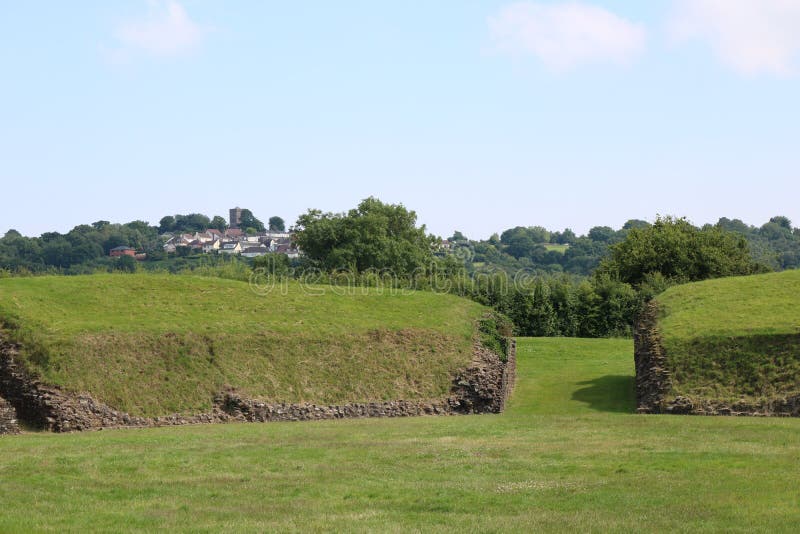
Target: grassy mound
[(158, 344), (734, 338)]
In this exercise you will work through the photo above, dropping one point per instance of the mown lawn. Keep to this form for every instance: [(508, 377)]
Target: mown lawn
[(764, 304), (567, 455)]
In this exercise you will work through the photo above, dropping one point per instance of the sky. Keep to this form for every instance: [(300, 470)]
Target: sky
[(478, 115)]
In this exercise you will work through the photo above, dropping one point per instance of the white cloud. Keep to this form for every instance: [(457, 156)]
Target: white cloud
[(565, 35), (751, 36), (166, 31)]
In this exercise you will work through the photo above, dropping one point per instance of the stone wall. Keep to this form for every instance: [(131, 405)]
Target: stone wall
[(652, 375), (8, 418), (483, 387), (653, 382)]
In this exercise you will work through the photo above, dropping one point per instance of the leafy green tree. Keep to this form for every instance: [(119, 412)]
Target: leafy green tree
[(193, 222), (567, 237), (603, 234), (680, 252), (630, 224), (126, 264), (272, 264), (520, 245), (775, 231), (248, 220), (782, 221), (372, 236), (219, 223), (277, 224), (166, 224)]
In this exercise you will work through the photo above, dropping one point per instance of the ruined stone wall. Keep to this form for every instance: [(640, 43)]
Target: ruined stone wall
[(8, 418), (652, 375), (653, 380), (481, 388)]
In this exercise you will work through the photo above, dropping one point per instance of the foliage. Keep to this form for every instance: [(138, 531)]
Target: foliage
[(250, 223), (85, 245), (193, 222), (277, 224), (495, 330), (219, 223), (372, 236), (680, 252), (277, 265)]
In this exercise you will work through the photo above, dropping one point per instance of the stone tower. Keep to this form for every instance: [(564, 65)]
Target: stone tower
[(235, 217)]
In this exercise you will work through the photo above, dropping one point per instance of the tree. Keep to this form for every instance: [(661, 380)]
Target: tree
[(219, 223), (774, 231), (630, 224), (193, 222), (603, 234), (248, 220), (276, 224), (372, 236), (782, 221), (735, 225), (520, 245), (680, 252), (166, 224), (272, 264), (126, 264), (567, 237), (458, 236)]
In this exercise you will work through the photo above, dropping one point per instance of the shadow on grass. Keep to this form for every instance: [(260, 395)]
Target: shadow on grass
[(610, 393)]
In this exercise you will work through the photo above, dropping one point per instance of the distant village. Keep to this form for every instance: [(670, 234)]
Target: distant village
[(233, 240)]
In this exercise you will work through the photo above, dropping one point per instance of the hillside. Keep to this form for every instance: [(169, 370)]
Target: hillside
[(152, 345), (733, 340)]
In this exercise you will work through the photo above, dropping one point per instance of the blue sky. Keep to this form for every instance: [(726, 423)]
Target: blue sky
[(479, 115)]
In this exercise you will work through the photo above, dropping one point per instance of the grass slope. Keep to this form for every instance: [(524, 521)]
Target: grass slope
[(734, 338), (160, 344), (566, 456)]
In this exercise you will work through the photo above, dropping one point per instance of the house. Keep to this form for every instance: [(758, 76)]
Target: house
[(212, 246), (252, 252), (289, 250), (116, 252), (231, 247)]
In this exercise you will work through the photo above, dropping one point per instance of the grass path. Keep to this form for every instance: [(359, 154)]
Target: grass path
[(567, 455)]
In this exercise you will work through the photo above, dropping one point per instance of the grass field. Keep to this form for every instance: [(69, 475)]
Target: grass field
[(160, 344), (556, 247), (567, 455), (734, 338)]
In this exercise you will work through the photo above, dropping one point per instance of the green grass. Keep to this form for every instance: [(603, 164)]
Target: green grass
[(566, 456), (734, 338), (556, 247), (763, 304), (159, 344)]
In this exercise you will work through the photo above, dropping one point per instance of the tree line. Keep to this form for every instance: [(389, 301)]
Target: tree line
[(549, 283)]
